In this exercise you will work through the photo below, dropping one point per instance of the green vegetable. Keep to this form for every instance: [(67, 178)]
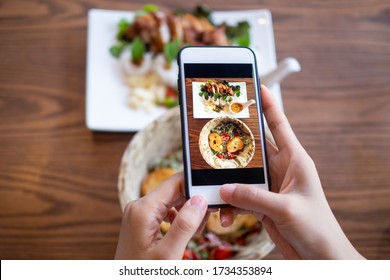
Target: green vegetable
[(204, 254), (203, 12), (148, 8), (171, 49), (123, 26), (117, 49), (239, 34), (137, 50), (170, 102)]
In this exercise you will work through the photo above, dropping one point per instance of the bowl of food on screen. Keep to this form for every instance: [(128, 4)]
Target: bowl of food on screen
[(226, 142)]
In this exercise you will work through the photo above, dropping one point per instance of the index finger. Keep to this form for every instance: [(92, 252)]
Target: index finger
[(277, 122)]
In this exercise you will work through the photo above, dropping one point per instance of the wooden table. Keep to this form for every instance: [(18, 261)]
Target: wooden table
[(58, 196)]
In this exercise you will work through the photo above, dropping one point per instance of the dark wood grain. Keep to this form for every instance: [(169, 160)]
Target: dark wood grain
[(58, 197)]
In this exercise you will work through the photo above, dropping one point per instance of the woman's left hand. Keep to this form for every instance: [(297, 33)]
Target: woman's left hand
[(140, 236)]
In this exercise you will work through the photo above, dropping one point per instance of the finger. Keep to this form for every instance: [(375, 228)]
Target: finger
[(169, 193), (271, 149), (277, 122), (227, 216), (253, 199), (185, 225), (203, 223)]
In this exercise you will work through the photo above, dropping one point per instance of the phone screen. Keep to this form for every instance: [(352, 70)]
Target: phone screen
[(223, 124)]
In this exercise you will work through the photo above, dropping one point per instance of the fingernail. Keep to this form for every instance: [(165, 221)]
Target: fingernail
[(199, 202), (223, 221), (227, 191)]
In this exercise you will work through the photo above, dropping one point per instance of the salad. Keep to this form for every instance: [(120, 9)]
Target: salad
[(227, 140), (216, 95), (148, 44), (216, 242)]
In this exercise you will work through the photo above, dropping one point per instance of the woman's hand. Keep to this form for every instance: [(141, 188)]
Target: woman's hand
[(140, 236), (296, 213)]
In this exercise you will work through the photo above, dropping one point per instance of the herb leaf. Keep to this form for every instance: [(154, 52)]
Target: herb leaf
[(239, 34), (150, 8), (116, 50), (137, 50), (171, 49)]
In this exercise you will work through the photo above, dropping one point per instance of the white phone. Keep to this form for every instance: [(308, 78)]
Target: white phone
[(222, 125)]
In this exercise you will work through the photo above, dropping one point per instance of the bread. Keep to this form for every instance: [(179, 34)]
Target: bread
[(155, 178), (215, 142), (235, 144)]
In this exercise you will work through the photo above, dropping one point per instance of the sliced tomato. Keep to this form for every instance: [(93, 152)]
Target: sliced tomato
[(225, 137), (220, 156), (241, 241), (170, 92), (221, 253), (231, 156)]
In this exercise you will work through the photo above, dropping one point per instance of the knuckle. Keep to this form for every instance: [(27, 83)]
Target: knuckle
[(275, 124), (131, 209)]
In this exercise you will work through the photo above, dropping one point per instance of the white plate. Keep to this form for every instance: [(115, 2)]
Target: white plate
[(106, 97), (199, 108)]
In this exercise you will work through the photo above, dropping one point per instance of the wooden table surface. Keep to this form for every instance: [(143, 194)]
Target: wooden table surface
[(58, 195)]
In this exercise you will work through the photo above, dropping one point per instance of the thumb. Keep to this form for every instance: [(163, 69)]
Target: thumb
[(253, 199), (185, 225)]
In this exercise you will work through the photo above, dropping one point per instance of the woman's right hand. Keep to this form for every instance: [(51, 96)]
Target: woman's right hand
[(295, 213)]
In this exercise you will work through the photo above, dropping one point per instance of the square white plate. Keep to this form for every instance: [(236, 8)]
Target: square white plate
[(106, 93), (199, 108)]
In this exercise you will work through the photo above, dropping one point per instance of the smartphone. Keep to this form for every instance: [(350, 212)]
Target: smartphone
[(221, 117)]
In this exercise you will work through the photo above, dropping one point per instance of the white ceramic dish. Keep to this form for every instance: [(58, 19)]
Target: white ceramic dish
[(106, 92)]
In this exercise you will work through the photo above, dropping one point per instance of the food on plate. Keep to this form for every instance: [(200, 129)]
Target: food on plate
[(232, 140), (217, 94), (148, 44)]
